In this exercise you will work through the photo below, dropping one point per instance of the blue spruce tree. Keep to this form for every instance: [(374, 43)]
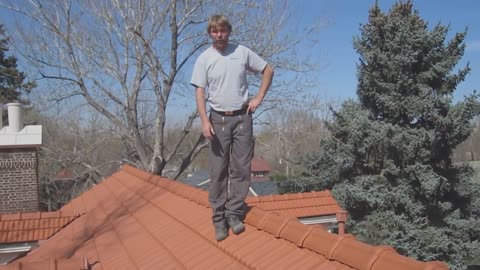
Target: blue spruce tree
[(389, 159)]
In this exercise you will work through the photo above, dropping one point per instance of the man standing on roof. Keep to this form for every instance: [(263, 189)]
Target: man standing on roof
[(221, 72)]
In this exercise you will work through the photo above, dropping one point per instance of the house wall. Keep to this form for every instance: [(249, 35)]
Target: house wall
[(18, 180)]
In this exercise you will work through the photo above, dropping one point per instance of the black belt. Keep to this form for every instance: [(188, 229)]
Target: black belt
[(233, 113)]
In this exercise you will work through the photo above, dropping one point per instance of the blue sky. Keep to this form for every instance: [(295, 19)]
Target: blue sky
[(337, 80), (342, 18)]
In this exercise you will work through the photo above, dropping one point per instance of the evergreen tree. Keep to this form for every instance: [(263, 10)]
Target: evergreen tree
[(11, 79), (388, 160)]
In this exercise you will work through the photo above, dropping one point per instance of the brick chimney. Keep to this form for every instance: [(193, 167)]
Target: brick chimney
[(18, 163)]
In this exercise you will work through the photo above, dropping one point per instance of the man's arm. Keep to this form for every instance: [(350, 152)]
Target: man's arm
[(207, 128), (267, 77)]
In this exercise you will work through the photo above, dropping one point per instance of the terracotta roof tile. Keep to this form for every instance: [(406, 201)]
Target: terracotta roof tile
[(134, 220), (26, 227), (298, 205), (62, 264)]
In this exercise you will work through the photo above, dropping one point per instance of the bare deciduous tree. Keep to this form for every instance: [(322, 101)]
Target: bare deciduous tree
[(76, 154), (128, 59), (292, 133)]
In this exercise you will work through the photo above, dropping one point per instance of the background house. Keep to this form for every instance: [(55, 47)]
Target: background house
[(260, 169)]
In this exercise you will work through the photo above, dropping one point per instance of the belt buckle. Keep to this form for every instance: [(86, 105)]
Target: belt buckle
[(228, 113)]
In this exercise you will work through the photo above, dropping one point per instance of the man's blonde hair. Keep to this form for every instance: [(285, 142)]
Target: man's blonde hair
[(218, 20)]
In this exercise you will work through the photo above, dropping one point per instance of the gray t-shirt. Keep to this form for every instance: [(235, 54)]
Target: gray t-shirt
[(224, 75)]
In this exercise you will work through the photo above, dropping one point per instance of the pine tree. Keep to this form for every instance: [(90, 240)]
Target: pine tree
[(12, 83), (389, 160)]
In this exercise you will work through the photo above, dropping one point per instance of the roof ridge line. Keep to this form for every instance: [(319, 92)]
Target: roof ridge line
[(291, 196), (332, 246), (296, 207), (185, 191)]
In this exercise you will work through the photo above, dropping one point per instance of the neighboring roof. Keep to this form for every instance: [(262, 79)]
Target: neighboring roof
[(201, 179), (264, 188), (26, 227), (136, 220), (196, 178), (298, 205), (260, 165)]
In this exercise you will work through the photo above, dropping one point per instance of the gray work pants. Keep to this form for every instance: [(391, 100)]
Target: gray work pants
[(231, 152)]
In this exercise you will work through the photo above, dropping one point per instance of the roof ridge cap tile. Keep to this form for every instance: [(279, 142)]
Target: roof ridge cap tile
[(321, 241), (290, 207), (263, 219), (254, 216), (202, 199), (436, 265), (304, 236), (291, 196), (250, 201), (387, 259), (345, 249), (140, 174), (183, 190), (273, 223), (340, 239), (379, 250)]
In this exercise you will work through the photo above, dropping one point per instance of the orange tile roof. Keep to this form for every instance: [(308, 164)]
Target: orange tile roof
[(135, 220), (61, 264), (26, 227), (298, 205)]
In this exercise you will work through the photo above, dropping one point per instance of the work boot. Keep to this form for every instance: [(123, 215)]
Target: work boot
[(221, 231), (236, 225)]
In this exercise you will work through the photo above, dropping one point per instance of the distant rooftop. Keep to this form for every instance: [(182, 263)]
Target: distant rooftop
[(26, 227), (298, 205)]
